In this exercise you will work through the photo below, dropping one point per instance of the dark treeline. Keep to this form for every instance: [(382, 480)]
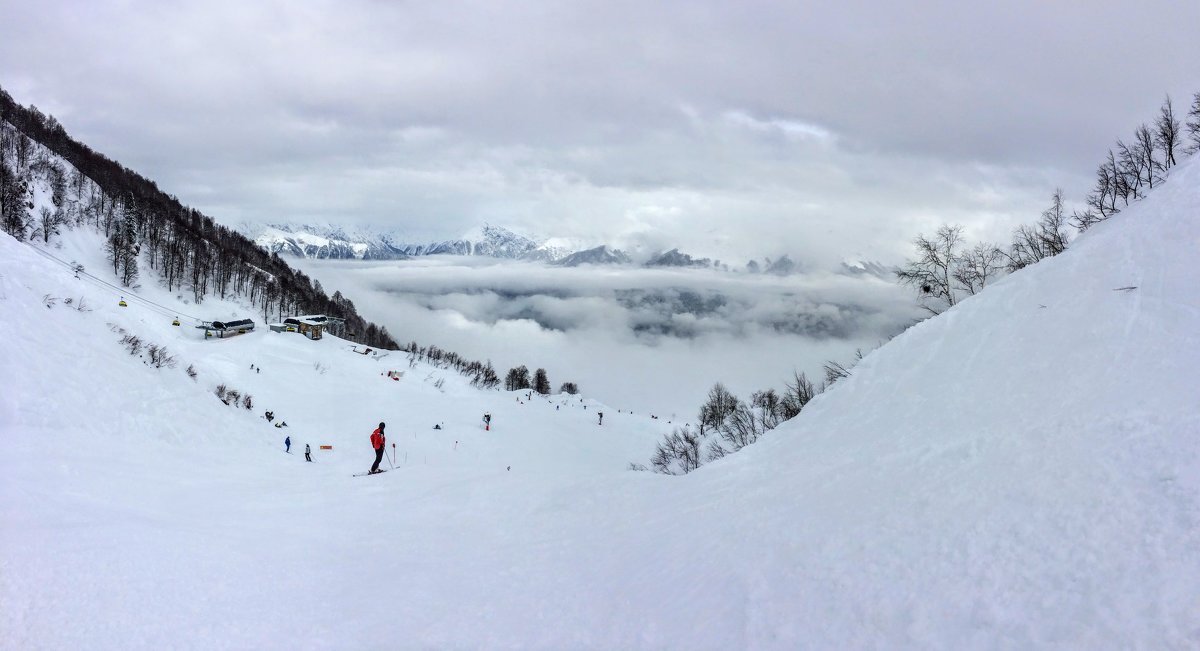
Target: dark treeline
[(143, 224), (518, 379)]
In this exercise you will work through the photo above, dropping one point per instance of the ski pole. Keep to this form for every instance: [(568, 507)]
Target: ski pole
[(392, 457)]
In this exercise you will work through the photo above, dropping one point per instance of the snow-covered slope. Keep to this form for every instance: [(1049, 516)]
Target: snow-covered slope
[(1020, 472)]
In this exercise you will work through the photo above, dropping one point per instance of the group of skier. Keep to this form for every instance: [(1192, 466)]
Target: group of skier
[(287, 447), (379, 441)]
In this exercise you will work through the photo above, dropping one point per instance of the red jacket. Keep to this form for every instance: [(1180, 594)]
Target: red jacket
[(377, 439)]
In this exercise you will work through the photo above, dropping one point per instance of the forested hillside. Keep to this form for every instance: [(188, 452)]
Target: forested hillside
[(147, 230)]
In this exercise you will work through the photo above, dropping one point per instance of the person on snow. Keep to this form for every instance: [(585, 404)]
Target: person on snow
[(377, 441), (287, 445), (307, 453), (487, 422), (601, 415)]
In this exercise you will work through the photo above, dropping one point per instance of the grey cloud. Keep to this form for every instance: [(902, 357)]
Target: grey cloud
[(730, 129)]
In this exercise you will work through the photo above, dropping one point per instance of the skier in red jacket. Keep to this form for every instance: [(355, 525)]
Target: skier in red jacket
[(377, 442)]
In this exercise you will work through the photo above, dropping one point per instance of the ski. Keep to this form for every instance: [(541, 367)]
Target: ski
[(364, 474)]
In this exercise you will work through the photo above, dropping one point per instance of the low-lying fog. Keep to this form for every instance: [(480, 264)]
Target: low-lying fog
[(650, 340)]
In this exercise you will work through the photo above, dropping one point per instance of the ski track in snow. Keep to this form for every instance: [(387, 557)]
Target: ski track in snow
[(1004, 476)]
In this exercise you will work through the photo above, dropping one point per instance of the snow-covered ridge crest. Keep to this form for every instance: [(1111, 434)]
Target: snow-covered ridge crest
[(336, 242), (329, 241)]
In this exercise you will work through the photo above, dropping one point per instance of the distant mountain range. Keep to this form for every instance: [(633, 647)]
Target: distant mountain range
[(329, 242), (600, 255)]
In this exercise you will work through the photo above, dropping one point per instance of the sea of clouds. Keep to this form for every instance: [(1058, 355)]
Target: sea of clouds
[(649, 340)]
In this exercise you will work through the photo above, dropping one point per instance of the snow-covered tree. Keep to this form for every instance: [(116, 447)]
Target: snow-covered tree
[(14, 202)]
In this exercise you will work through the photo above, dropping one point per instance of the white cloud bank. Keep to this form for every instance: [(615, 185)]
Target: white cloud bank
[(652, 340)]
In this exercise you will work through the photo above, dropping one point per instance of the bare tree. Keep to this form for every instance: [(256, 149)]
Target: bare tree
[(720, 404), (1145, 148), (797, 395), (978, 266), (678, 453), (1111, 183), (932, 273), (1166, 133), (770, 408), (123, 251), (48, 223), (1130, 172), (517, 379), (1046, 239), (541, 383), (740, 427), (1193, 125)]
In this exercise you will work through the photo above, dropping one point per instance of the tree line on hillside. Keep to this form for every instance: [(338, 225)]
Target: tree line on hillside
[(483, 374), (948, 269), (725, 423), (517, 379), (143, 224)]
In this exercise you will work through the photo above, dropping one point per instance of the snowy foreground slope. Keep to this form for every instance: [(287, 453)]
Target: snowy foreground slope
[(1021, 472)]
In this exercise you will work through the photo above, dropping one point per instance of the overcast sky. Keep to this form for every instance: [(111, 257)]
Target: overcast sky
[(731, 129)]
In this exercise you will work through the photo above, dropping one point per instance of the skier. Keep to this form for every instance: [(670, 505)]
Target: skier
[(377, 441), (487, 422), (307, 453), (601, 415), (287, 445)]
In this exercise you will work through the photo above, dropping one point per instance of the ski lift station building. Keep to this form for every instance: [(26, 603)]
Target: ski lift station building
[(223, 328), (310, 325)]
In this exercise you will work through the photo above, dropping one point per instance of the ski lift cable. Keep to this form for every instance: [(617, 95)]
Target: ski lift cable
[(118, 291)]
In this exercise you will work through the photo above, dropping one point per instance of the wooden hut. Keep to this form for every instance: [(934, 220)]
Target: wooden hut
[(312, 326)]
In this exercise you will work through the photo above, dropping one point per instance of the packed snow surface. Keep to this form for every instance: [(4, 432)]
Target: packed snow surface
[(1020, 472)]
